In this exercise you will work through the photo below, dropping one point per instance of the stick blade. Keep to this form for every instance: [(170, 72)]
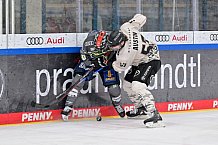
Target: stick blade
[(36, 105), (33, 104)]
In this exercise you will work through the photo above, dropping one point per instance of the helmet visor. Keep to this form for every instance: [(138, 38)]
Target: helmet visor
[(117, 47)]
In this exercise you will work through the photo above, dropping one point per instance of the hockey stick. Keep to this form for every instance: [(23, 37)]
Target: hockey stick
[(61, 96)]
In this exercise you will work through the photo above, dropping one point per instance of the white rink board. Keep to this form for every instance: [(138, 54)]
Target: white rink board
[(3, 42), (209, 37), (80, 38), (49, 40), (179, 37), (76, 39)]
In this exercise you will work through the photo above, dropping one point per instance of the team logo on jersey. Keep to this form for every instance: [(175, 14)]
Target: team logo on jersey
[(136, 73)]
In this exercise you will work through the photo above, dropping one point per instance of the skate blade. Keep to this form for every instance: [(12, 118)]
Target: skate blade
[(65, 118), (159, 124), (139, 117)]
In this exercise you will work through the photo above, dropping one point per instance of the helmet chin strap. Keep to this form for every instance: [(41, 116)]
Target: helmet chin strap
[(123, 44), (115, 48)]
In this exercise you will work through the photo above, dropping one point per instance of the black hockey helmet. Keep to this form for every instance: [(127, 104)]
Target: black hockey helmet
[(101, 40), (116, 38), (100, 44)]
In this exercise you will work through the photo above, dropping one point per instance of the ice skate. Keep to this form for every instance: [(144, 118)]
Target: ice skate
[(72, 95), (66, 113), (154, 121), (120, 110), (137, 113)]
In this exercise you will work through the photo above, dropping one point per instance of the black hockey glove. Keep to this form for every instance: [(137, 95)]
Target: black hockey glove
[(90, 76), (80, 69)]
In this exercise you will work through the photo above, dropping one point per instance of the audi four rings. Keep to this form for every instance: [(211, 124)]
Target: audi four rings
[(213, 37), (162, 38), (34, 41)]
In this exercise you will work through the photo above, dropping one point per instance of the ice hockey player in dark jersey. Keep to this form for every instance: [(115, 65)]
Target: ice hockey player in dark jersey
[(142, 57), (95, 53)]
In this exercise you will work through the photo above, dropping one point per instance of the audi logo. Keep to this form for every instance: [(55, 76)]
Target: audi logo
[(213, 37), (162, 38), (34, 41)]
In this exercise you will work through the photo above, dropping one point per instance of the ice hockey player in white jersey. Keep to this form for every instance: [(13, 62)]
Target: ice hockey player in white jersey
[(142, 57)]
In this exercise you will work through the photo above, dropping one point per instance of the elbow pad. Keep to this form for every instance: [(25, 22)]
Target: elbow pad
[(138, 20)]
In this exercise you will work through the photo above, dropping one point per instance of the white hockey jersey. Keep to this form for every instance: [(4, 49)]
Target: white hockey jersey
[(136, 49)]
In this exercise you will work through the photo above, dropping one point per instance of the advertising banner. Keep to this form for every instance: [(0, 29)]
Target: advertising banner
[(177, 37), (188, 75), (208, 37), (105, 111), (39, 67), (21, 73)]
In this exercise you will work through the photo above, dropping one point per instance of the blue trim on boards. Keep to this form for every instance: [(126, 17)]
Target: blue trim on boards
[(64, 50), (188, 47), (29, 51)]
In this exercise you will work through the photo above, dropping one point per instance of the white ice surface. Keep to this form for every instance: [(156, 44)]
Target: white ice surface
[(190, 128)]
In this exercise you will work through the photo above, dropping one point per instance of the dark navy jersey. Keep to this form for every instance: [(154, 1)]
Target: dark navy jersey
[(89, 43)]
